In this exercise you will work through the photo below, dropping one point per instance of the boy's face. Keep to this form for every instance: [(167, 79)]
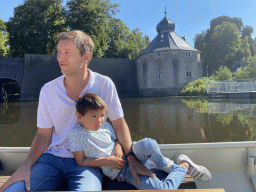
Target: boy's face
[(92, 120)]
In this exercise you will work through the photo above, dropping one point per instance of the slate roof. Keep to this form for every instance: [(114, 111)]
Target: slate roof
[(167, 39)]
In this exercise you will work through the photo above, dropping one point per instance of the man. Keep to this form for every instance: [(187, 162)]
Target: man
[(50, 160)]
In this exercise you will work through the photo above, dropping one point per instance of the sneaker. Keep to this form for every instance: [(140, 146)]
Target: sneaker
[(152, 165), (196, 171)]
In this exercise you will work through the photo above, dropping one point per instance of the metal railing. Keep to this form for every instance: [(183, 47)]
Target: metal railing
[(248, 85)]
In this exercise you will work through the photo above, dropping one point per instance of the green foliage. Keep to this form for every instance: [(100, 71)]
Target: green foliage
[(123, 43), (199, 40), (251, 123), (222, 74), (92, 17), (4, 39), (248, 71), (225, 119), (226, 43), (197, 87), (34, 27), (199, 104), (37, 23), (222, 48), (218, 21)]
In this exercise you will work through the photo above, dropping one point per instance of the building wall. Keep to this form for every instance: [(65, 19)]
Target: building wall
[(167, 70), (155, 74), (40, 69), (12, 68)]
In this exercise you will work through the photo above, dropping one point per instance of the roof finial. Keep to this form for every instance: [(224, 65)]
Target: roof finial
[(165, 10)]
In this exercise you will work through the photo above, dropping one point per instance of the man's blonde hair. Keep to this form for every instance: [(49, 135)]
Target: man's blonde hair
[(82, 40)]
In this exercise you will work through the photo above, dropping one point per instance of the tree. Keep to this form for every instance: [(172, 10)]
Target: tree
[(4, 39), (136, 43), (218, 21), (248, 71), (222, 48), (92, 17), (35, 26), (199, 40), (222, 74), (122, 42), (246, 32), (118, 33)]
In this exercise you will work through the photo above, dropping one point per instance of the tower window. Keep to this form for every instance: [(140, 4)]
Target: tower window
[(189, 73), (188, 54), (158, 54), (162, 37)]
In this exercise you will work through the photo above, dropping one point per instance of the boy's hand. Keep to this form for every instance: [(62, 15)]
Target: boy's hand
[(115, 162), (118, 151)]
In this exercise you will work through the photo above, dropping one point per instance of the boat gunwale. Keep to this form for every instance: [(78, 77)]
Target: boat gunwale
[(185, 146)]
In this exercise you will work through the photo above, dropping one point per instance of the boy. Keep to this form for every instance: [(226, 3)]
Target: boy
[(93, 141)]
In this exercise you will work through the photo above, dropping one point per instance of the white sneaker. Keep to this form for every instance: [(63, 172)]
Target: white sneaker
[(152, 165), (196, 171)]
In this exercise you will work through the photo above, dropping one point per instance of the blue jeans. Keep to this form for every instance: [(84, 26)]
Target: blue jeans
[(49, 173), (148, 149)]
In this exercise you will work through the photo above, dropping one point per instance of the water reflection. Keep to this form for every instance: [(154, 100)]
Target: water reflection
[(17, 124), (166, 119)]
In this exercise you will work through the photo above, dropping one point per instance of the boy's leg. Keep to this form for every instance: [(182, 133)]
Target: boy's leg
[(198, 172), (82, 178), (172, 181), (149, 149)]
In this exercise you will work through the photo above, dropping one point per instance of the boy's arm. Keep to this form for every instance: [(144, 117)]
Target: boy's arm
[(112, 161), (118, 151), (123, 134), (40, 143)]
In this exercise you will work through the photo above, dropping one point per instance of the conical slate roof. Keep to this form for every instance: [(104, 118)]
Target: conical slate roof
[(167, 39)]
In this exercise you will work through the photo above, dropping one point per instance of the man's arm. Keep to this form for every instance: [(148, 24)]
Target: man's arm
[(123, 134), (40, 143)]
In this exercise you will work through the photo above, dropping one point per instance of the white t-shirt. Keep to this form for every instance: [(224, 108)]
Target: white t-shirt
[(57, 110), (95, 144)]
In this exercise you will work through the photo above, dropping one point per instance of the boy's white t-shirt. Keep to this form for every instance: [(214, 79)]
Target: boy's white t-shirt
[(95, 144), (57, 110)]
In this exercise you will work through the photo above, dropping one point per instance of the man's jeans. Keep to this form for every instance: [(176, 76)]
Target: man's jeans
[(148, 149), (50, 171)]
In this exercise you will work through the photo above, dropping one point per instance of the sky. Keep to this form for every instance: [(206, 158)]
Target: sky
[(190, 16)]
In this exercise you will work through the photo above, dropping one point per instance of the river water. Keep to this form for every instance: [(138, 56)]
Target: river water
[(169, 120)]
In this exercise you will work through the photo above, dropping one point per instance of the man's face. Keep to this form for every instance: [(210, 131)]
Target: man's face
[(92, 120), (69, 58)]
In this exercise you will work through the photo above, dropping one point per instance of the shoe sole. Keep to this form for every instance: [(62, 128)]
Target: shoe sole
[(204, 169)]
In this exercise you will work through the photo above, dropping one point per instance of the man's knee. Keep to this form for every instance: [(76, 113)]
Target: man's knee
[(18, 186)]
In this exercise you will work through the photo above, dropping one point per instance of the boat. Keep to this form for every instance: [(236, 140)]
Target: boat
[(232, 164)]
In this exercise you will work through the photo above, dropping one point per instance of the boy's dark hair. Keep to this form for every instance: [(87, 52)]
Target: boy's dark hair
[(89, 102)]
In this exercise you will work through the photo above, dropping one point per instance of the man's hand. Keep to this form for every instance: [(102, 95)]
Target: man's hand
[(137, 168), (22, 174), (115, 162), (118, 151)]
